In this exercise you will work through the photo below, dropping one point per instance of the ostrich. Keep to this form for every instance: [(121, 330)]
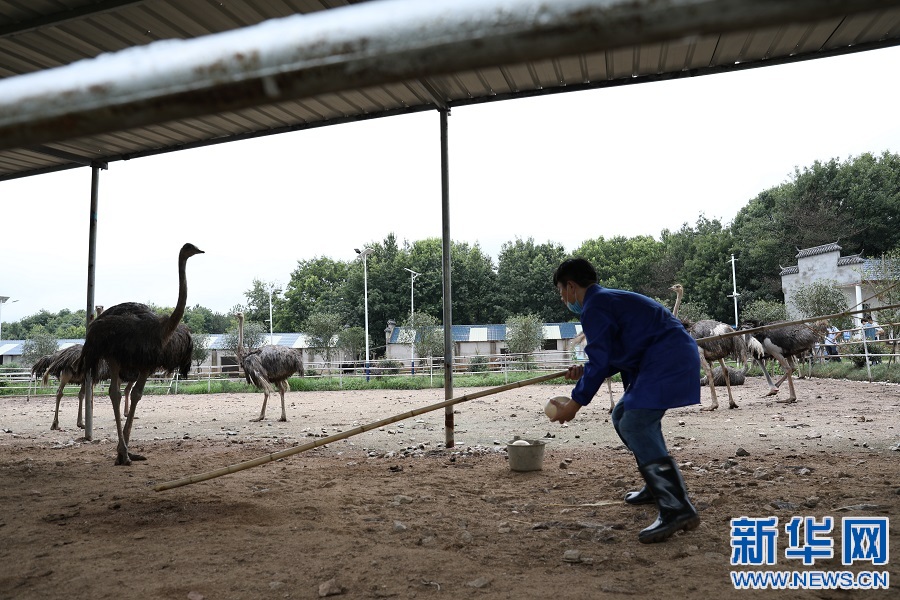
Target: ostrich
[(580, 338), (176, 356), (712, 350), (268, 365), (64, 365), (735, 376), (785, 344), (131, 338)]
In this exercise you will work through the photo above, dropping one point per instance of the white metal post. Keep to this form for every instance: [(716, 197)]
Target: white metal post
[(364, 253), (734, 294), (271, 334), (412, 320)]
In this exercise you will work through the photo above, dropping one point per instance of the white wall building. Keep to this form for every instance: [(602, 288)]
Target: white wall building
[(853, 274)]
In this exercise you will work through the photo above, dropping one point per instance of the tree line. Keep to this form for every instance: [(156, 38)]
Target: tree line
[(855, 202)]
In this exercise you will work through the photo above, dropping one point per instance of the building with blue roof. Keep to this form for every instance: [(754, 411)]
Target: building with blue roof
[(480, 340)]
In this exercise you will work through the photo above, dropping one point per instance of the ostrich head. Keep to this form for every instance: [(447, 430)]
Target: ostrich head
[(677, 288), (189, 250)]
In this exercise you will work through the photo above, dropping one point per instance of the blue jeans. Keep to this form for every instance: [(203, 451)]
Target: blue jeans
[(641, 430)]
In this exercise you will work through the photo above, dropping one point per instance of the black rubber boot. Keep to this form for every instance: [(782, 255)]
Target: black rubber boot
[(642, 496), (675, 510)]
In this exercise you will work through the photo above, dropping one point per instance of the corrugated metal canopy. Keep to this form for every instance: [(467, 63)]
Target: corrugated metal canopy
[(490, 50)]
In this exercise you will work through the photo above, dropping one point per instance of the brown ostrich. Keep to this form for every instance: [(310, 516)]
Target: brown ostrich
[(712, 350), (784, 344), (131, 338), (266, 366), (64, 365)]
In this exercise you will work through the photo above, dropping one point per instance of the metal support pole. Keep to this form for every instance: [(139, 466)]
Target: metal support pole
[(366, 301), (734, 294), (445, 268), (89, 311)]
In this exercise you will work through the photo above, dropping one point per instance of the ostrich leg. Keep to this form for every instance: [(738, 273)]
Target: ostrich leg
[(116, 396), (612, 401), (80, 422), (788, 369), (709, 378), (282, 388), (267, 389), (63, 380), (793, 396), (127, 394), (136, 392), (731, 402), (773, 389)]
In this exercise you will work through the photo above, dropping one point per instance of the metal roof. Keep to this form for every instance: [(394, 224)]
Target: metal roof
[(345, 60)]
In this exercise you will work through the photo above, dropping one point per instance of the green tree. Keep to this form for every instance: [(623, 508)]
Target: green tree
[(429, 335), (698, 257), (202, 320), (255, 336), (473, 281), (855, 202), (321, 330), (524, 334), (764, 311), (352, 341), (822, 297), (626, 263), (525, 280), (257, 308), (39, 343), (200, 352), (316, 285)]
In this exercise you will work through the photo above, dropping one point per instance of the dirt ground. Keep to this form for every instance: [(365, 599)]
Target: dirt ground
[(392, 513)]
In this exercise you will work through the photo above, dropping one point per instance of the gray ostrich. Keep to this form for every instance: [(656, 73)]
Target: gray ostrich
[(64, 365), (735, 376), (785, 344), (266, 366), (131, 338), (712, 350)]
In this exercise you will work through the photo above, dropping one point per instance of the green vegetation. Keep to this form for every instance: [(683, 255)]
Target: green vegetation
[(854, 201)]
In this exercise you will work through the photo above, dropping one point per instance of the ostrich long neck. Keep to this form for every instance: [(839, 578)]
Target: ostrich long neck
[(678, 294), (175, 318)]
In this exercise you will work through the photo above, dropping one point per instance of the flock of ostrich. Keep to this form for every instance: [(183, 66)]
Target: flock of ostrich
[(128, 342)]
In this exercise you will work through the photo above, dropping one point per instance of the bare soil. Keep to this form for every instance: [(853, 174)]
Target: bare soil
[(392, 513)]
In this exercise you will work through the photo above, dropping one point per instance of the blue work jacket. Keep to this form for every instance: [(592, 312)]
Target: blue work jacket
[(636, 336)]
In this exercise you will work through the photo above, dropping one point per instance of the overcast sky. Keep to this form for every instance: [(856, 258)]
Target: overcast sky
[(633, 160)]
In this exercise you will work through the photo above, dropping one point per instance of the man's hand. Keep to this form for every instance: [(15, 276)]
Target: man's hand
[(575, 372), (565, 411)]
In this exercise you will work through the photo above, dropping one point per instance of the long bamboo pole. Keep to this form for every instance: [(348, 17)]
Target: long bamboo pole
[(355, 431), (846, 313)]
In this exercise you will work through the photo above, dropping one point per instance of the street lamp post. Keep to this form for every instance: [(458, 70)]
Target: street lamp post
[(271, 322), (3, 300), (412, 320), (735, 293), (364, 253)]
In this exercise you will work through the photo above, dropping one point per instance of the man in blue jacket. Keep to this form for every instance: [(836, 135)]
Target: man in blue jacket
[(658, 360)]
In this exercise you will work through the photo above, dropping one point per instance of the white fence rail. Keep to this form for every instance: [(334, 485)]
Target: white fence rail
[(21, 383)]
